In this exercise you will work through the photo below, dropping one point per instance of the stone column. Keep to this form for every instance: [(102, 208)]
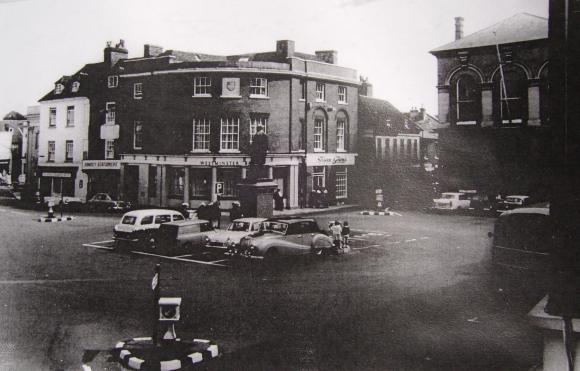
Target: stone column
[(164, 184), (443, 103), (293, 186), (270, 172), (534, 102), (244, 172), (186, 185), (213, 182), (391, 144), (486, 105), (121, 182), (418, 143)]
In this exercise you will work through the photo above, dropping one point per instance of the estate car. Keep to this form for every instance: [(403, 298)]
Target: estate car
[(136, 227)]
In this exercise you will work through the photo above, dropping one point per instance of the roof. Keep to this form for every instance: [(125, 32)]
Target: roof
[(88, 71), (13, 115), (250, 220), (517, 28), (379, 115), (150, 211)]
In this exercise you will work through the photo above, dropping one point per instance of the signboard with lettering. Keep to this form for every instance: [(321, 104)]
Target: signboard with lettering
[(231, 87), (326, 159), (101, 165), (219, 188), (56, 175)]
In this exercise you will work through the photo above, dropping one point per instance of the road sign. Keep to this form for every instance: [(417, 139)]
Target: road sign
[(219, 188)]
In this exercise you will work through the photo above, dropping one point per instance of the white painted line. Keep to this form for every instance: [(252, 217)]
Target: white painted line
[(424, 238), (222, 260), (18, 212), (179, 259), (411, 240), (99, 242), (98, 246), (183, 256), (365, 247), (365, 231), (357, 239)]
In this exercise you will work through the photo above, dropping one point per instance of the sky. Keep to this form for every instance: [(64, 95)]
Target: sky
[(387, 41)]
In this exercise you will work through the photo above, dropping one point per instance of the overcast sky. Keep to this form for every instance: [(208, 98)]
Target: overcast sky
[(385, 40)]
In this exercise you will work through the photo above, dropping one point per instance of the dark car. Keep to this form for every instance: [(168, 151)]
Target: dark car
[(513, 202), (522, 238), (285, 237), (104, 202)]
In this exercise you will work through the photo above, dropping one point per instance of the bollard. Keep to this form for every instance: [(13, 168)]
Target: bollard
[(50, 210)]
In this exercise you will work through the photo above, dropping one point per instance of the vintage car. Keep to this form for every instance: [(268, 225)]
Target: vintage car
[(285, 237), (104, 202), (513, 201), (452, 201), (522, 238), (230, 238), (137, 227), (183, 236)]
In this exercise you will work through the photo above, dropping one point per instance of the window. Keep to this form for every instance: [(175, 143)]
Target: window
[(113, 81), (75, 86), (319, 128), (52, 117), (138, 90), (68, 156), (513, 96), (152, 184), (176, 178), (70, 116), (341, 133), (467, 96), (318, 178), (229, 138), (202, 86), (109, 149), (341, 182), (51, 151), (160, 219), (199, 183), (137, 134), (201, 134), (320, 92), (258, 87), (342, 94), (58, 88), (303, 86), (110, 109), (230, 178), (255, 122)]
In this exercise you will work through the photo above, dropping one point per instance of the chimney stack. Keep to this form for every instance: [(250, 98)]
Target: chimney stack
[(285, 48), (328, 56), (458, 28), (116, 53), (152, 50)]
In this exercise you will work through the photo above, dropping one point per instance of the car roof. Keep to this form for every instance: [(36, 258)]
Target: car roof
[(541, 208), (187, 222), (250, 220), (452, 193), (518, 196), (143, 212), (292, 219)]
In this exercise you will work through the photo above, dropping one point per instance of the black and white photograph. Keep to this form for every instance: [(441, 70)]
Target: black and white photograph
[(290, 185)]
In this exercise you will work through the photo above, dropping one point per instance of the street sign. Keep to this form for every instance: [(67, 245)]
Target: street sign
[(219, 188)]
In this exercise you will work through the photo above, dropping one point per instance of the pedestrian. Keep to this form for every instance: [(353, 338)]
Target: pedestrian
[(217, 213), (185, 210), (345, 233), (336, 230), (278, 200), (235, 212)]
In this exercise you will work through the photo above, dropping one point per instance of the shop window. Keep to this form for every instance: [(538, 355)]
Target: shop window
[(318, 177), (230, 178), (109, 149), (200, 181), (230, 134), (202, 86), (467, 100), (68, 157), (110, 109), (320, 92), (52, 117), (319, 129), (137, 135), (152, 183), (341, 182), (201, 134), (70, 116), (258, 87), (255, 121), (51, 151), (176, 178)]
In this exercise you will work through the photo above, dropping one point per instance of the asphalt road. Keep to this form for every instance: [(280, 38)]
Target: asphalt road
[(416, 293)]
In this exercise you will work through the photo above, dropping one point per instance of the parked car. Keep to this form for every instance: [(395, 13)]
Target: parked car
[(137, 227), (104, 202), (513, 201), (183, 235), (285, 237), (522, 238), (452, 201), (230, 238)]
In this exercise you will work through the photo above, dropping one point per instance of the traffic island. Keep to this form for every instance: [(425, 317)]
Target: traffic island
[(381, 213), (55, 219), (143, 354)]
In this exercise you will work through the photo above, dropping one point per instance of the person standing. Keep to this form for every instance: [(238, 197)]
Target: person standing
[(345, 233), (336, 230), (278, 200)]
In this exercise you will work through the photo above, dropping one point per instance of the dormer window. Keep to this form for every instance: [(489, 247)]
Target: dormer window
[(75, 87), (113, 81), (58, 88)]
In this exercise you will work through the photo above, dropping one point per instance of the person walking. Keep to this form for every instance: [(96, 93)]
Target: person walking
[(336, 230), (345, 233)]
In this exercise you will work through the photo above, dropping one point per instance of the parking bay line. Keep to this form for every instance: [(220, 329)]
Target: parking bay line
[(180, 259), (98, 246)]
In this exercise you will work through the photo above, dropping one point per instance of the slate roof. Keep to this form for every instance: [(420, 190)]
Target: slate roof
[(13, 115), (517, 28), (92, 70), (374, 113)]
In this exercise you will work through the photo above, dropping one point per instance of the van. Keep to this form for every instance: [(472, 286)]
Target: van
[(136, 227), (184, 235)]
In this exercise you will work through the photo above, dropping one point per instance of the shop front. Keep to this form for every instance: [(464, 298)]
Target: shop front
[(327, 179), (103, 177), (62, 181)]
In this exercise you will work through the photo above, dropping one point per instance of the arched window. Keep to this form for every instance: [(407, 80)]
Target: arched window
[(341, 132), (510, 96), (467, 100)]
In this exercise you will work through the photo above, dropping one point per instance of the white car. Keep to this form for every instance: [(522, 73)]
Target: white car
[(137, 227), (230, 238), (452, 201)]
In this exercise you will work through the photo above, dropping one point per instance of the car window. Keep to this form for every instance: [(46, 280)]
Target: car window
[(239, 226), (159, 219), (148, 219), (256, 226), (309, 227), (448, 196), (275, 227), (463, 197), (178, 217), (206, 227), (129, 220)]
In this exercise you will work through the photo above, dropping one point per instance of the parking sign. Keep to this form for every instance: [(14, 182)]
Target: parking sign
[(219, 188)]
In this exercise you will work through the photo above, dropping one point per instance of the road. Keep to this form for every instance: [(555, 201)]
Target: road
[(416, 293)]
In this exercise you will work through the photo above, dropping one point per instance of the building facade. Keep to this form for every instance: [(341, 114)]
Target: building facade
[(492, 91), (175, 127)]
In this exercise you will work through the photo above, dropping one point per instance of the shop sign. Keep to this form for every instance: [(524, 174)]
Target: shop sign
[(325, 159), (224, 162), (101, 165), (56, 175)]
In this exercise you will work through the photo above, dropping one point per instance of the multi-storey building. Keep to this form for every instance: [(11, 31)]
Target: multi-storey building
[(173, 127), (492, 88)]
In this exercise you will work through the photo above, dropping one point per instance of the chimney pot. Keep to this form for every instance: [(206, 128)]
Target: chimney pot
[(458, 28)]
